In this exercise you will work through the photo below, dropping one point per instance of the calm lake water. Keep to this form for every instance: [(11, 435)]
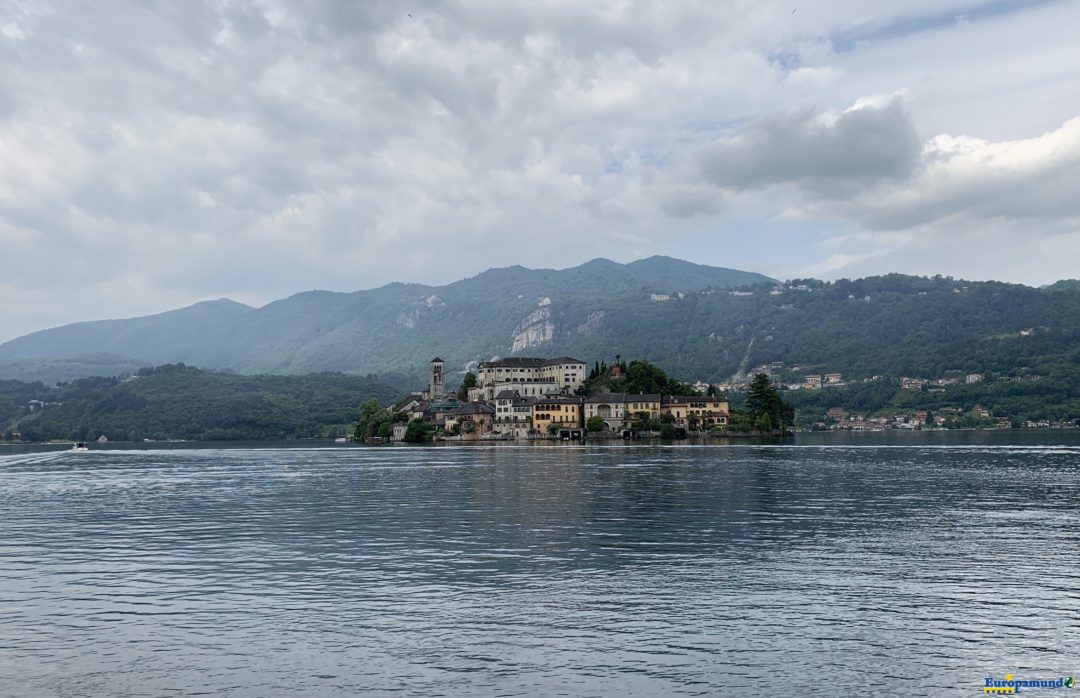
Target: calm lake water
[(880, 565)]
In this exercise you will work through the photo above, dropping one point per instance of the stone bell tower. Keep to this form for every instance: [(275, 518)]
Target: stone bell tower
[(435, 385)]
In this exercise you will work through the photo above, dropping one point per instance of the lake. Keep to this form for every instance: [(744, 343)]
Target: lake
[(836, 565)]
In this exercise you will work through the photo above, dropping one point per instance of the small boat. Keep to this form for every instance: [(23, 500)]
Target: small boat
[(80, 447)]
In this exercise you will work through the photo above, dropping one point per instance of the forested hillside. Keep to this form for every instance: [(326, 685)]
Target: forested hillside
[(180, 402), (685, 316), (398, 327)]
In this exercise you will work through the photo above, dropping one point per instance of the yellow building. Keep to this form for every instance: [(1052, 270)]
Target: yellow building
[(648, 403), (708, 410), (565, 413)]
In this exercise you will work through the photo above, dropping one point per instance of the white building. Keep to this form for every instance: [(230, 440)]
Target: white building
[(564, 372)]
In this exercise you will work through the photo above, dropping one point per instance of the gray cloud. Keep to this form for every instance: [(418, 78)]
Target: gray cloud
[(859, 146)]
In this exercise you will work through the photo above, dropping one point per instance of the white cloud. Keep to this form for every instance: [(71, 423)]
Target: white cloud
[(969, 180), (159, 154)]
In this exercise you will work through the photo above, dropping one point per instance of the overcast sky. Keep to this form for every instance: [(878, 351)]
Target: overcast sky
[(156, 154)]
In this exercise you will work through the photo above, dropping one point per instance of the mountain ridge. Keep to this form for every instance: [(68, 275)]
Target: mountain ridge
[(321, 330), (698, 322)]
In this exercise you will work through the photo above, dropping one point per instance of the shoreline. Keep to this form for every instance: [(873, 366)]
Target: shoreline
[(938, 438)]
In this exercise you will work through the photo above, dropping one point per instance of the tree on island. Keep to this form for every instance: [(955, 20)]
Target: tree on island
[(765, 410), (419, 432), (639, 376), (467, 384), (595, 424), (377, 421)]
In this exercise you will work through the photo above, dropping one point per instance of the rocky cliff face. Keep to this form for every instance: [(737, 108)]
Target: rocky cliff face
[(592, 323), (411, 316), (535, 330)]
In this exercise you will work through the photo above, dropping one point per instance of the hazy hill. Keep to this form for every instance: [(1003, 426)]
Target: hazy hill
[(394, 327), (683, 316)]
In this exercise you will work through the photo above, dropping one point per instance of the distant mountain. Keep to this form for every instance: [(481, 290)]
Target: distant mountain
[(394, 327), (697, 322), (62, 370)]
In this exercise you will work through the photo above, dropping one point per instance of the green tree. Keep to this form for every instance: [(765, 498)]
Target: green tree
[(369, 414), (763, 400), (419, 432), (595, 424), (759, 395), (552, 429), (467, 383)]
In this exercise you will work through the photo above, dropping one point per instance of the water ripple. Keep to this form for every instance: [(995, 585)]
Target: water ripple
[(831, 569)]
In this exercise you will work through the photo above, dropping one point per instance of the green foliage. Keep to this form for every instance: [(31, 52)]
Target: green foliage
[(642, 421), (377, 421), (639, 377), (467, 384), (180, 402), (419, 432), (594, 424), (1055, 398), (552, 429), (667, 430), (764, 410)]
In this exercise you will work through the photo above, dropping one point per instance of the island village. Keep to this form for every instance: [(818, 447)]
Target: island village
[(523, 398), (561, 398)]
